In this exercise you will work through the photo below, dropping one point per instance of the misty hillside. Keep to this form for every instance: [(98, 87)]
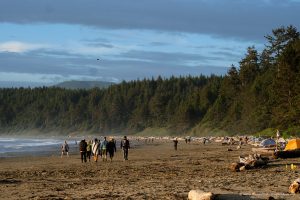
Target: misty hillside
[(84, 84)]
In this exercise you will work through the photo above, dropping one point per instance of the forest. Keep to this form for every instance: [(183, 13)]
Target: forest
[(262, 93)]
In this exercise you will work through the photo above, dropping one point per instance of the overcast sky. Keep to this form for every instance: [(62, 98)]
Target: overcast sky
[(43, 42)]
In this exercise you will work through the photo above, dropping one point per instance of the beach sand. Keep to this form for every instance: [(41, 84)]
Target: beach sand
[(153, 171)]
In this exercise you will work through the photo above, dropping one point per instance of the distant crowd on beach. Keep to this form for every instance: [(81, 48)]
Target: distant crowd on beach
[(96, 148), (107, 147)]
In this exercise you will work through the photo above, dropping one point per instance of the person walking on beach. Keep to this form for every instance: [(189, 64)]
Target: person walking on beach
[(82, 149), (277, 138), (103, 148), (96, 149), (175, 144), (125, 146), (111, 148), (65, 149), (89, 150), (205, 140)]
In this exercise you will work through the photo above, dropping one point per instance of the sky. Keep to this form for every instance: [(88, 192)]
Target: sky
[(45, 42)]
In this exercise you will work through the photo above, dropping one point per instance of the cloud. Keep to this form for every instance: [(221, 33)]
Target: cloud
[(133, 69), (242, 19), (226, 55), (100, 44), (164, 57), (68, 49), (159, 44), (19, 47), (133, 65), (34, 63), (45, 79)]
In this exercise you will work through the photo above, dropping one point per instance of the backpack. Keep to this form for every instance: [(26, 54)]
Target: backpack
[(104, 144), (89, 147), (125, 143), (82, 145), (66, 147)]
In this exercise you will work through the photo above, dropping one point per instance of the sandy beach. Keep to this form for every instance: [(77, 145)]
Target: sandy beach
[(153, 171)]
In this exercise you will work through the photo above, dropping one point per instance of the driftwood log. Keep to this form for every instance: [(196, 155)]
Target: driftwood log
[(235, 167), (287, 154), (250, 162), (200, 195), (295, 186)]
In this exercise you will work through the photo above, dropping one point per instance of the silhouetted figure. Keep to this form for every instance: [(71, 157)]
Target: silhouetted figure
[(82, 149), (205, 140), (89, 150), (175, 144), (111, 148), (125, 146)]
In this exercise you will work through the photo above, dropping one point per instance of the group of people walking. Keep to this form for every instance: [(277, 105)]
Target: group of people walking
[(95, 148)]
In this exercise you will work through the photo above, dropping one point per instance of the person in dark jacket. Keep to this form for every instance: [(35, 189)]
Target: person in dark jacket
[(175, 143), (89, 150), (111, 148), (82, 149), (125, 146)]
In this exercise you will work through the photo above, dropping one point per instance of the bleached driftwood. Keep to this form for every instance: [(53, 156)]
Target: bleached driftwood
[(251, 161), (235, 167), (295, 186), (200, 195), (254, 160)]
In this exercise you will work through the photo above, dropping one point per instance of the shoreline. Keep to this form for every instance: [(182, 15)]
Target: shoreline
[(42, 149)]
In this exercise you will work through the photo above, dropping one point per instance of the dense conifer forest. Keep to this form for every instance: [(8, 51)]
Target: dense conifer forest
[(262, 92)]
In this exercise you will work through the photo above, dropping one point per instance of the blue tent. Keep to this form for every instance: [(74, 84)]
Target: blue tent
[(268, 143)]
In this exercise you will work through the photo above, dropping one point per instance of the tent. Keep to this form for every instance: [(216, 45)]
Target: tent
[(268, 143), (292, 145)]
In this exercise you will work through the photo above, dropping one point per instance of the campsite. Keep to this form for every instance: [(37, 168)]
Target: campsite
[(291, 150)]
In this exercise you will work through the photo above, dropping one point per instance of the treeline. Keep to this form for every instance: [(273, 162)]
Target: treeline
[(262, 92), (175, 103)]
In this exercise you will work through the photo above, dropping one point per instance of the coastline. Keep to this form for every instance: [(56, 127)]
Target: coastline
[(44, 145), (29, 146)]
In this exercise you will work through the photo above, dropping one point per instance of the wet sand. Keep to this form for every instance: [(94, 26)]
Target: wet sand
[(153, 171)]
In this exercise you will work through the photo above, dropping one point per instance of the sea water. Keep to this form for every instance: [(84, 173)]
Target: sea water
[(10, 147), (17, 146)]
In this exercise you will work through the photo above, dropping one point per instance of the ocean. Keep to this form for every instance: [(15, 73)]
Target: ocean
[(18, 146), (11, 146)]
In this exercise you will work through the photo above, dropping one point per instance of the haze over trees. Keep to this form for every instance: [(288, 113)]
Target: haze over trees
[(262, 92)]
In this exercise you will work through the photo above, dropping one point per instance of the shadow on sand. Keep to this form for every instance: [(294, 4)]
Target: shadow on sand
[(236, 197)]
